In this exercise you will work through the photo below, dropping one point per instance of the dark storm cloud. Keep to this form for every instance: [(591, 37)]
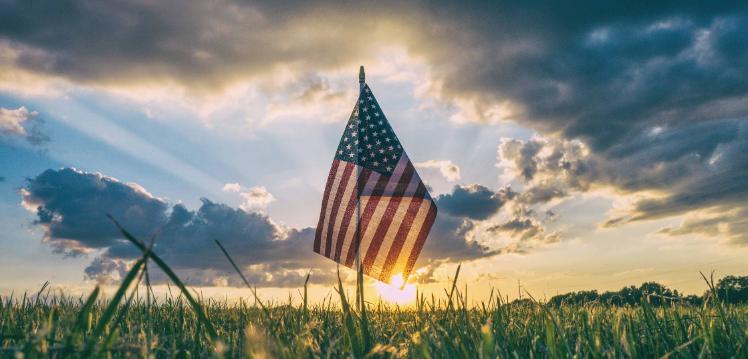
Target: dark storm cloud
[(204, 45), (71, 207), (693, 167), (474, 201)]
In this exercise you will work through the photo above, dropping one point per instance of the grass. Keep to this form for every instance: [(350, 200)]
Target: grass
[(185, 326)]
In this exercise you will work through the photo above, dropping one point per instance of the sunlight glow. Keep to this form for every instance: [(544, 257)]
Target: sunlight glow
[(395, 291)]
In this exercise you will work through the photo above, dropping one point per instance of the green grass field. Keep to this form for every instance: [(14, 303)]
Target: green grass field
[(133, 323), (170, 328)]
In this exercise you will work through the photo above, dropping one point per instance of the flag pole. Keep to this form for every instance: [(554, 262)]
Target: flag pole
[(359, 270)]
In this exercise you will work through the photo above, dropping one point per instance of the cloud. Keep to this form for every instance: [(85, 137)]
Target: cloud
[(674, 170), (207, 46), (232, 187), (644, 99), (527, 231), (449, 170), (730, 224), (71, 206), (254, 198), (21, 122), (11, 120), (473, 201)]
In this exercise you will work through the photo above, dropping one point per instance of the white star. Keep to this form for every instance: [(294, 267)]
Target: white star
[(394, 157), (371, 126), (345, 139), (353, 134), (383, 131), (348, 147), (362, 101), (340, 152), (368, 146), (389, 168), (366, 138), (377, 114), (371, 154), (387, 139), (350, 154), (369, 97), (376, 163), (368, 117), (375, 134), (381, 150), (356, 142), (380, 122), (384, 159), (365, 109), (391, 148), (379, 142), (367, 90), (350, 126)]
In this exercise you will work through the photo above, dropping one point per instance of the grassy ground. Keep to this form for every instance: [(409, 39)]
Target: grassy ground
[(131, 325), (170, 328)]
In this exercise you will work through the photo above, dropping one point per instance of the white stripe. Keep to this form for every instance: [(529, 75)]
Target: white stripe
[(410, 239), (351, 232), (330, 203), (347, 192), (396, 175), (371, 227), (389, 237)]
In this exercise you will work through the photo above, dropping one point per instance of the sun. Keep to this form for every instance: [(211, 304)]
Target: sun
[(397, 291)]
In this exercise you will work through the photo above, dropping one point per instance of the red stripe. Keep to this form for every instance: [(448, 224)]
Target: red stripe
[(400, 236), (328, 187), (384, 224), (349, 211), (424, 231), (336, 204), (366, 215)]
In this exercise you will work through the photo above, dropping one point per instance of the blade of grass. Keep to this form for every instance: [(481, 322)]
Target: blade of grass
[(173, 277), (112, 307), (246, 282), (351, 331)]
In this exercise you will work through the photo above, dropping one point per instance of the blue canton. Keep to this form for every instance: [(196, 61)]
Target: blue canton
[(368, 140)]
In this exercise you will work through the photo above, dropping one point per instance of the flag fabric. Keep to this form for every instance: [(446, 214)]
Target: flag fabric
[(396, 211)]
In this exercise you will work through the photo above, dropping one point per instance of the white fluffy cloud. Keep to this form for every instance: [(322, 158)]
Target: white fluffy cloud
[(22, 123), (232, 187), (253, 198), (256, 198), (11, 121), (449, 170)]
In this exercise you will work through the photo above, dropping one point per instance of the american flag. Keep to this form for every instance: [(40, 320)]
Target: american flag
[(396, 211)]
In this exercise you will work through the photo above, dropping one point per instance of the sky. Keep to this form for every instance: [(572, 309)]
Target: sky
[(568, 146)]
